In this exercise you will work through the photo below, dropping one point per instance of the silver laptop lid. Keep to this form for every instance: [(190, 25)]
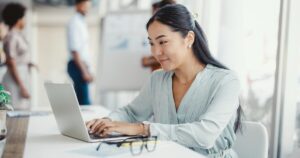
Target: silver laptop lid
[(66, 110), (67, 113)]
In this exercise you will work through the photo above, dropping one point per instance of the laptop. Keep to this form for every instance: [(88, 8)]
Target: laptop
[(68, 116)]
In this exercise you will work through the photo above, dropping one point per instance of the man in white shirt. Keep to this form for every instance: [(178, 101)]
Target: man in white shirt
[(78, 46)]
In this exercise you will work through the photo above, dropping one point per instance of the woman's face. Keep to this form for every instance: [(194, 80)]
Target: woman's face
[(21, 23), (169, 48)]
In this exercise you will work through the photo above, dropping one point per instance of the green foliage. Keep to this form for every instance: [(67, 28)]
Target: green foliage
[(5, 99)]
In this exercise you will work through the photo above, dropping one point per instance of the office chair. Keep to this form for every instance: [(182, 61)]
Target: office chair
[(252, 142)]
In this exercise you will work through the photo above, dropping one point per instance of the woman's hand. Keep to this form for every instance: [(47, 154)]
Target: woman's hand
[(104, 127), (32, 65), (121, 127), (94, 124), (24, 93)]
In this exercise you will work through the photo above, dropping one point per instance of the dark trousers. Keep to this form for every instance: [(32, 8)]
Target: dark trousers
[(81, 86)]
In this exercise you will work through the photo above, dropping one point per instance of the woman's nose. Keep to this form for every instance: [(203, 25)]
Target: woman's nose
[(156, 50)]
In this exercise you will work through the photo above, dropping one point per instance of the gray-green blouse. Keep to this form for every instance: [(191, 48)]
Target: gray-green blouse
[(205, 118)]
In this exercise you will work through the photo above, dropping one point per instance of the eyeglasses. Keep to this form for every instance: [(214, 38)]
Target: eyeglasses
[(136, 144)]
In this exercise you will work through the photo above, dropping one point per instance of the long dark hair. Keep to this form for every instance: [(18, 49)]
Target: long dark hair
[(162, 3), (179, 19)]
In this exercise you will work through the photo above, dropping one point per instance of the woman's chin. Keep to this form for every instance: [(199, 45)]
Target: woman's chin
[(166, 67)]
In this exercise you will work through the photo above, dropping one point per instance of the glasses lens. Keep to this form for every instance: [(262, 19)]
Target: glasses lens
[(136, 146), (151, 144)]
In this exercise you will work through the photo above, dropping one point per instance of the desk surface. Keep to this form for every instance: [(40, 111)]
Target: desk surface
[(44, 140), (16, 137)]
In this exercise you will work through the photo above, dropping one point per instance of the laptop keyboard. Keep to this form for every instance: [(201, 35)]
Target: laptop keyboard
[(96, 136)]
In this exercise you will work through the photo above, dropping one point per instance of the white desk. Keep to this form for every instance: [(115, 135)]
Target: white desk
[(45, 141)]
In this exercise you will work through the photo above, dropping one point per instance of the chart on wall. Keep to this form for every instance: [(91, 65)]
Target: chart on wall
[(126, 33), (124, 42)]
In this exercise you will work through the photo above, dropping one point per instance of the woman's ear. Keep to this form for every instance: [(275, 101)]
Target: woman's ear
[(190, 38)]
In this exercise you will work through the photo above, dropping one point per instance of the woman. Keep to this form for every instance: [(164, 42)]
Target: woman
[(150, 61), (194, 100), (17, 56)]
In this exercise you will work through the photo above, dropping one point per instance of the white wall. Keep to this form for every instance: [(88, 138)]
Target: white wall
[(289, 88)]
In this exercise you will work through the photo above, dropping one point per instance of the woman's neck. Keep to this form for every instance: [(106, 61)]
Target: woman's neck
[(187, 72), (15, 28)]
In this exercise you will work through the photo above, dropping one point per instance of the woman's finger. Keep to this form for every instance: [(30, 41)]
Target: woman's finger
[(99, 126), (105, 125), (96, 123), (107, 131), (90, 123)]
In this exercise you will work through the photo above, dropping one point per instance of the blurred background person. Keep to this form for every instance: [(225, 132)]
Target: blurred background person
[(78, 45), (3, 32), (160, 4), (150, 61), (16, 48)]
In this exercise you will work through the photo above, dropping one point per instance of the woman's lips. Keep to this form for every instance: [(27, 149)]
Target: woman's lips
[(163, 60)]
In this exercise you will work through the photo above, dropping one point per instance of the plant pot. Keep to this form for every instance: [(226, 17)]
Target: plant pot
[(3, 130)]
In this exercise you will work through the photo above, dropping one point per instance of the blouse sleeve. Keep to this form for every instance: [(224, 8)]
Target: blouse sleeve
[(204, 132), (10, 47), (140, 109)]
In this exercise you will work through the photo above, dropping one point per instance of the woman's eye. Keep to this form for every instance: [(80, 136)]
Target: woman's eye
[(150, 43), (163, 42)]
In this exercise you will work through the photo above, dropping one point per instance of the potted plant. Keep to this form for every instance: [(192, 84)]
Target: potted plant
[(5, 105)]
